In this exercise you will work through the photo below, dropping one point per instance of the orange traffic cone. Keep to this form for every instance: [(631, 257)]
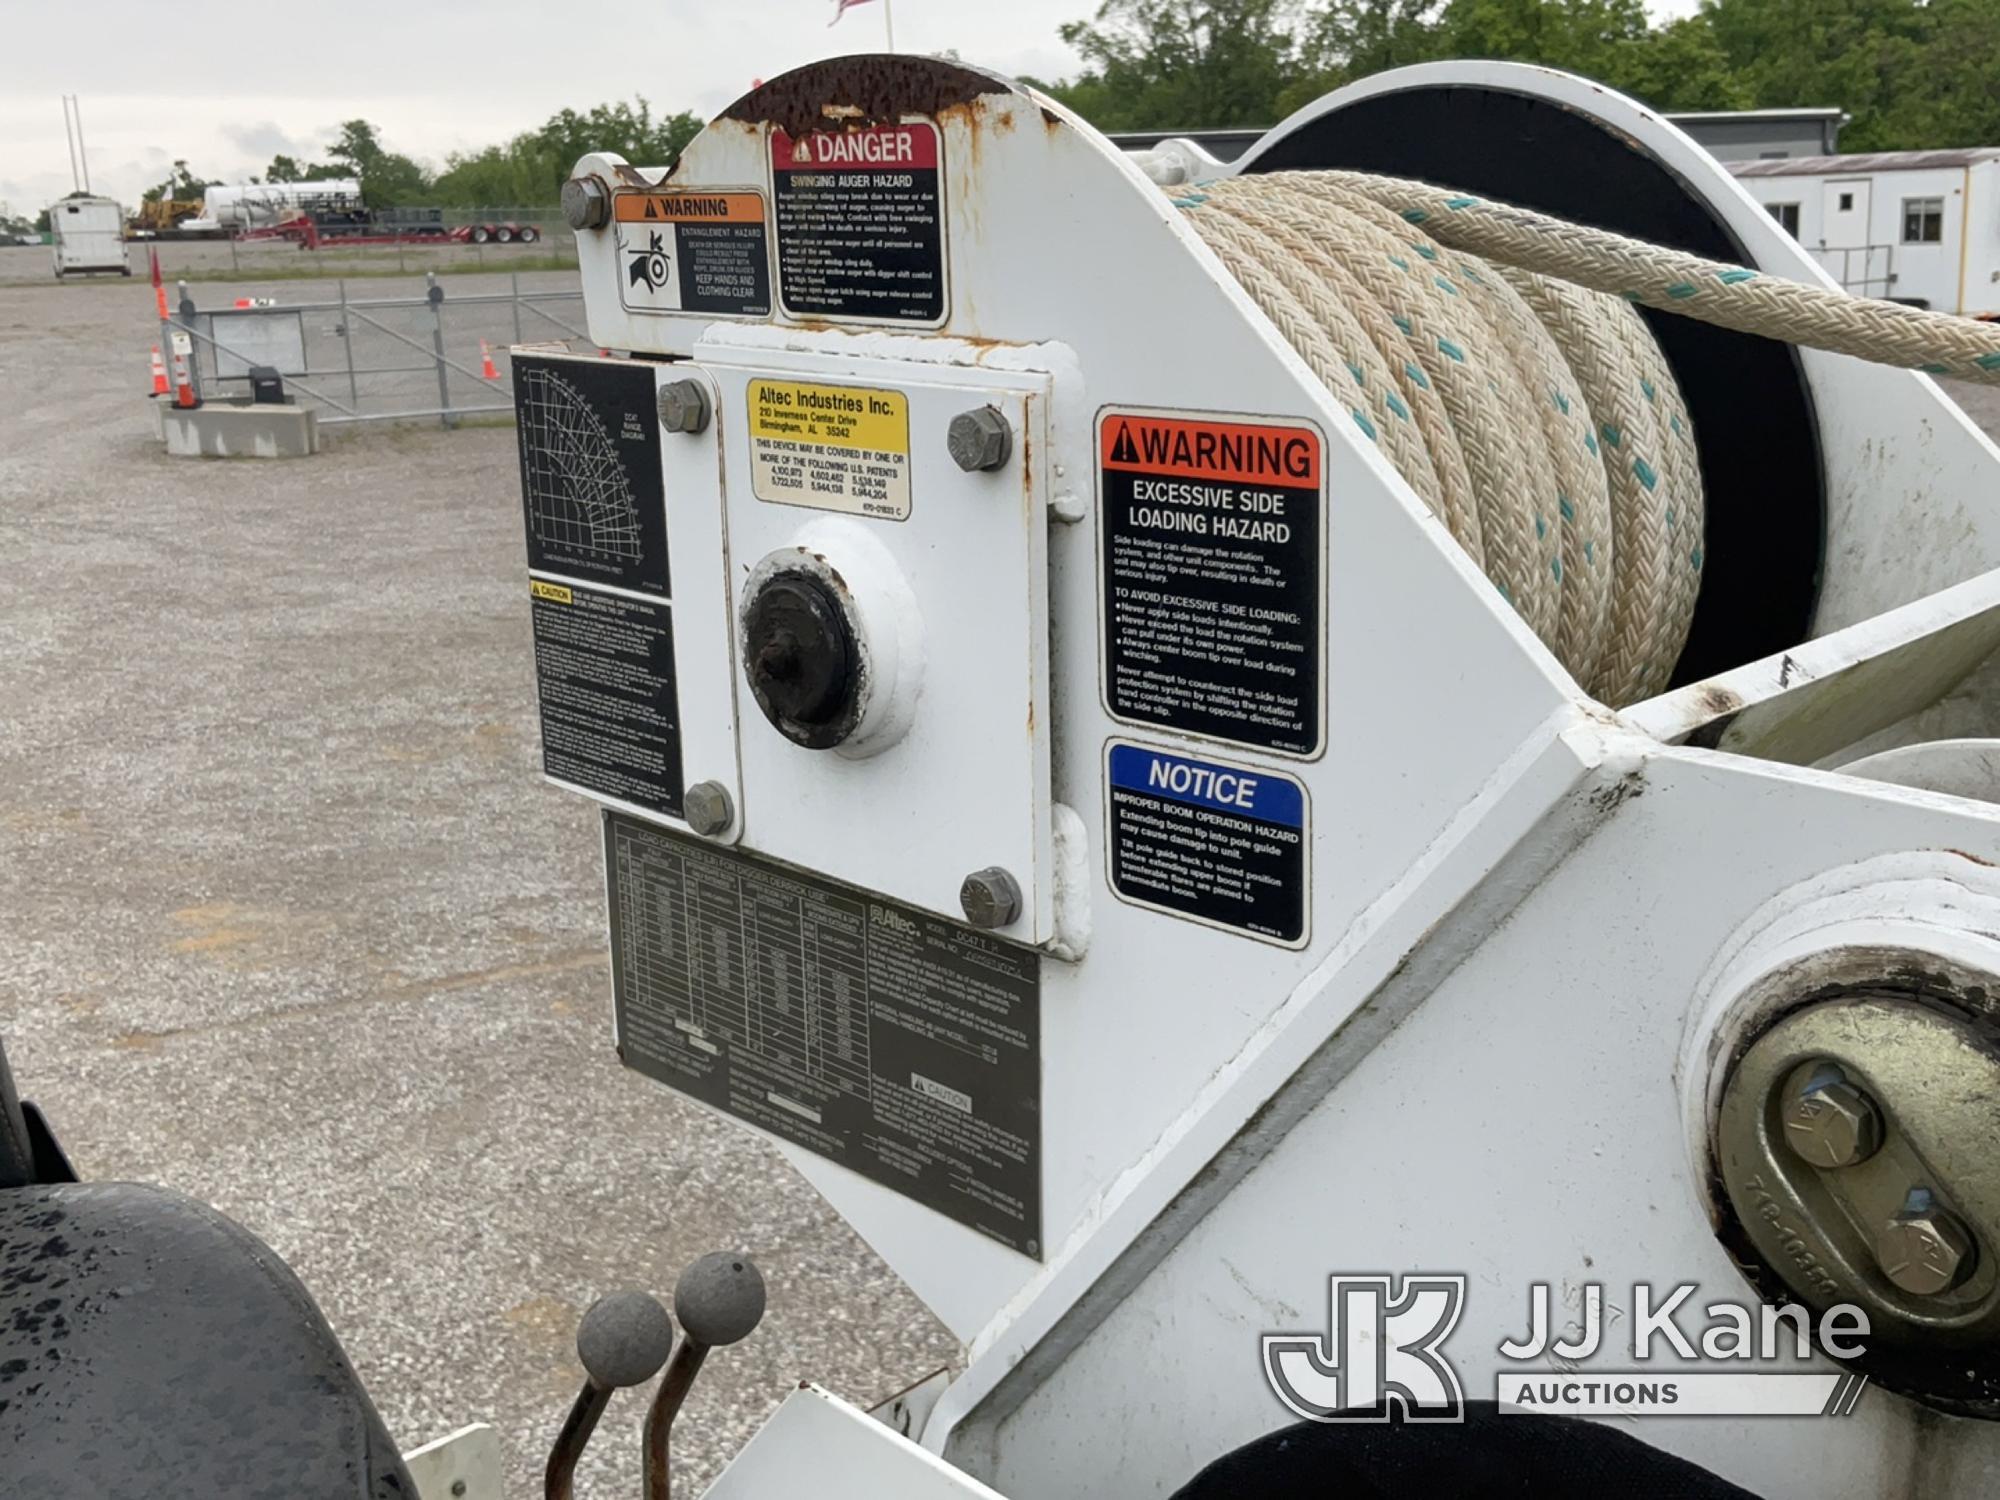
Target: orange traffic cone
[(160, 386), (486, 370), (183, 382)]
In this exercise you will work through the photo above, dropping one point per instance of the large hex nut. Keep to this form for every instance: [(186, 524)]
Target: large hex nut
[(683, 406), (990, 898), (979, 439), (586, 203)]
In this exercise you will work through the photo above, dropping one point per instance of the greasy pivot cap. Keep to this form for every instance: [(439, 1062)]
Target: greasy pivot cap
[(802, 661)]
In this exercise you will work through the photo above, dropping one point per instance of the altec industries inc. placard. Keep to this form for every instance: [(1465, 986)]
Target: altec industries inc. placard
[(1210, 549)]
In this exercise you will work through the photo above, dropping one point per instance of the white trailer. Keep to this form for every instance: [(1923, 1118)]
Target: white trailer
[(88, 235), (1921, 227)]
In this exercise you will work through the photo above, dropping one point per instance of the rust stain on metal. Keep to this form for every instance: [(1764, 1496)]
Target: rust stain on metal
[(851, 93), (1962, 854)]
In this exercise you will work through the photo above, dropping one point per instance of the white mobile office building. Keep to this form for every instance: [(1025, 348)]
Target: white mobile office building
[(1918, 226)]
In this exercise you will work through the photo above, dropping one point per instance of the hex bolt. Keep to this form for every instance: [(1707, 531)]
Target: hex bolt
[(585, 203), (684, 406), (1926, 1249), (980, 439), (708, 809), (1830, 1122), (991, 898)]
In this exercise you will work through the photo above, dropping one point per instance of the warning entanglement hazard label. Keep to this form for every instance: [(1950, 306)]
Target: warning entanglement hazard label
[(1210, 549), (831, 447), (860, 223), (696, 252), (1224, 845)]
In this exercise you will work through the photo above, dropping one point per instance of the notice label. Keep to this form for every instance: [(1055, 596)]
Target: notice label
[(1223, 845), (694, 252), (1210, 550), (831, 447), (860, 221), (604, 673), (893, 1042)]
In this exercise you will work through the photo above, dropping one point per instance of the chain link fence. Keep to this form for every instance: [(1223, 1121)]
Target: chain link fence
[(430, 352)]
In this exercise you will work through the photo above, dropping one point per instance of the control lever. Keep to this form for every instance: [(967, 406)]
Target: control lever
[(623, 1340), (718, 1300)]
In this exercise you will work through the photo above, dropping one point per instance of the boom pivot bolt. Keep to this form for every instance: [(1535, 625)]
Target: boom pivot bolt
[(684, 406), (991, 898), (585, 203), (979, 439), (1830, 1122), (708, 809)]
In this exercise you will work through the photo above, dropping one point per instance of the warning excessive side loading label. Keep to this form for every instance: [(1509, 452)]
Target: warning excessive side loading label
[(1210, 555)]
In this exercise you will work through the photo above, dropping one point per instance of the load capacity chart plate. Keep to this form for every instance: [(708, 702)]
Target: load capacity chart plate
[(1210, 554), (898, 1044), (1224, 845), (860, 224), (694, 252)]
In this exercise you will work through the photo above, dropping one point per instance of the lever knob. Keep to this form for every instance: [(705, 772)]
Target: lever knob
[(624, 1339), (720, 1298)]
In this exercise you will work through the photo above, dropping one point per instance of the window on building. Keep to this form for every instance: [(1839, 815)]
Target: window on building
[(1787, 215), (1847, 203), (1923, 221)]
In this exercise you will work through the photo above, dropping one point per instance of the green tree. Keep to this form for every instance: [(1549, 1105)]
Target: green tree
[(1158, 64), (179, 183), (388, 178), (287, 169), (530, 169)]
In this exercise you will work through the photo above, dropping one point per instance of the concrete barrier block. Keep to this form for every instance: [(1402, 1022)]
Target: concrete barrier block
[(219, 429)]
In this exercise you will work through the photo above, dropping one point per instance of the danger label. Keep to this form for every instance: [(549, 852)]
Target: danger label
[(830, 447), (1218, 844), (860, 224), (1210, 551), (693, 252)]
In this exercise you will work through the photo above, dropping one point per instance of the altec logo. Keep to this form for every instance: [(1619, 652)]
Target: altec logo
[(1385, 1348)]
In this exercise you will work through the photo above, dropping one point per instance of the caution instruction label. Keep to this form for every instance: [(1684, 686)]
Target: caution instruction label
[(604, 676), (1210, 548), (830, 447)]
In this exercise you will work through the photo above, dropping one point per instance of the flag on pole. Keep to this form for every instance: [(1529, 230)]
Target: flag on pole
[(841, 7)]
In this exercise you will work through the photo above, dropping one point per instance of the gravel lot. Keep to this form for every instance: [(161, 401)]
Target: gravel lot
[(292, 924)]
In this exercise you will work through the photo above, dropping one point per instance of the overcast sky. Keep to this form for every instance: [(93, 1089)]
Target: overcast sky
[(229, 85)]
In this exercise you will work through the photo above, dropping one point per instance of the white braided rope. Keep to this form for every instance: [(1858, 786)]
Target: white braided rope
[(1887, 333), (1537, 420)]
